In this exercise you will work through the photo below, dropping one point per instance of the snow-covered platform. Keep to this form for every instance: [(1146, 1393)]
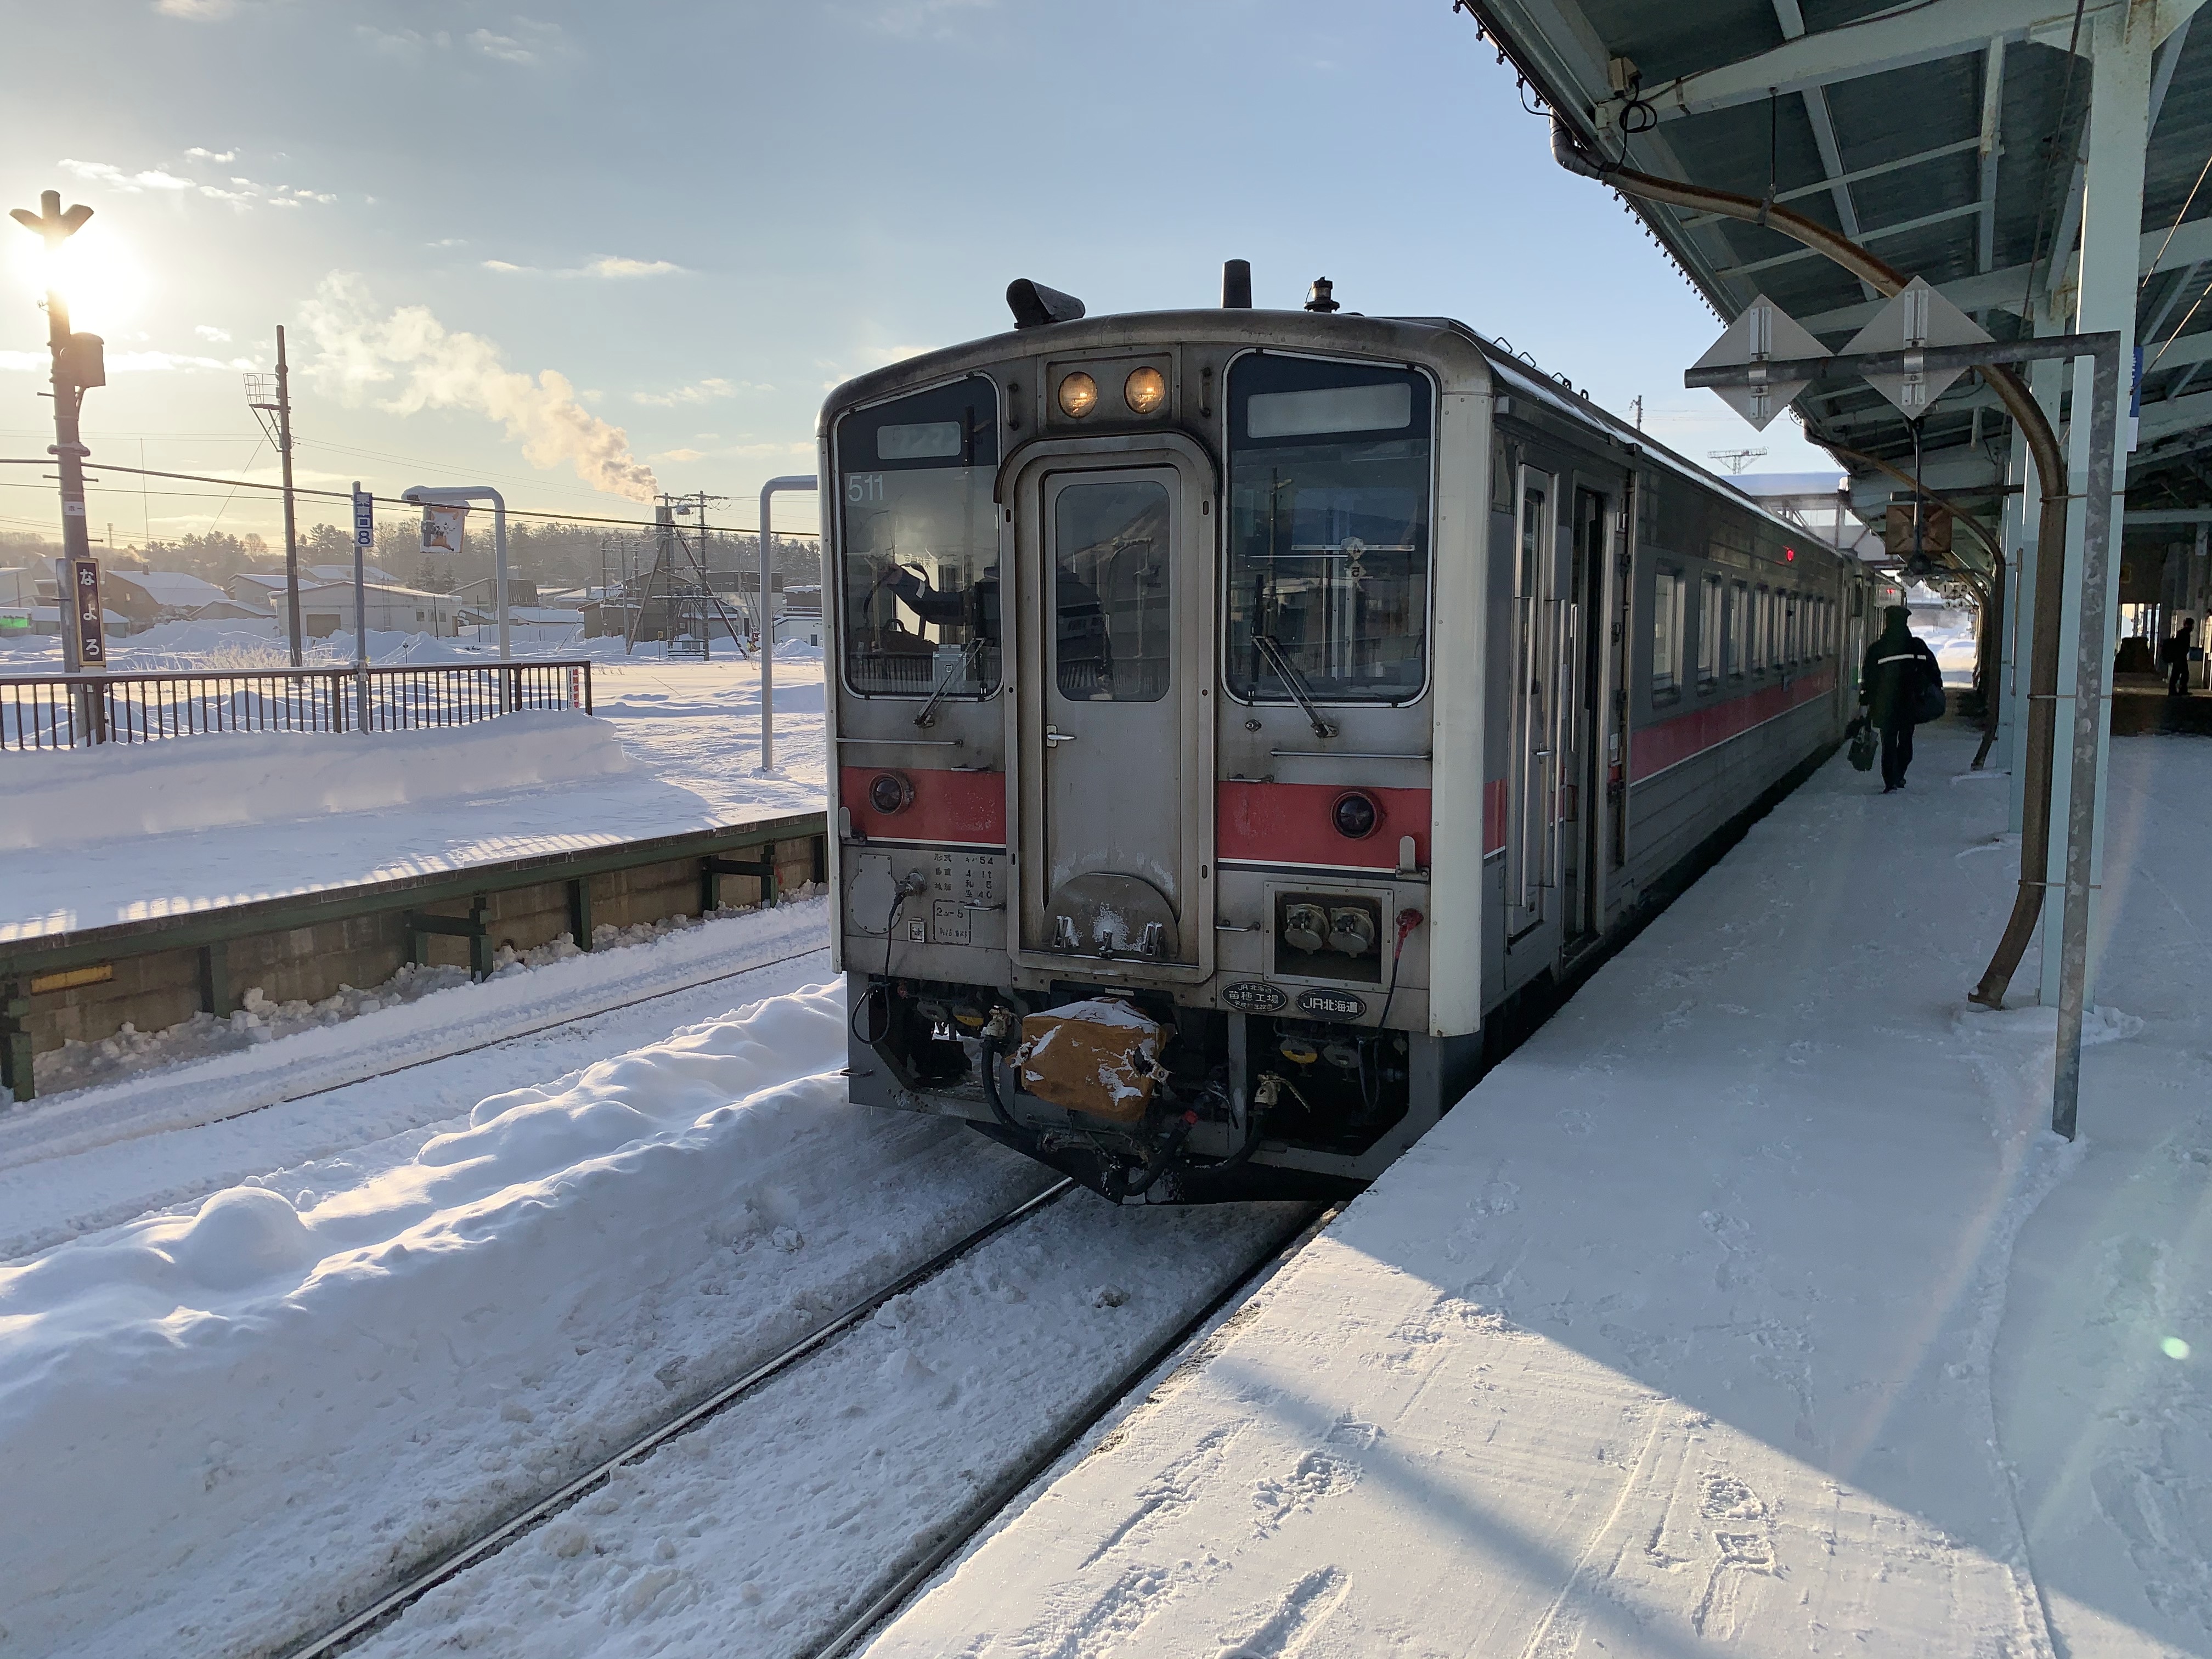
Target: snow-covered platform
[(96, 838), (1751, 1308)]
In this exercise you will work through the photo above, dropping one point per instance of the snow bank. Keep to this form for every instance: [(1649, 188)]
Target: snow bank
[(62, 799), (302, 1390)]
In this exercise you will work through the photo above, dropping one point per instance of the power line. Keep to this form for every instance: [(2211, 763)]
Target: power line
[(383, 501)]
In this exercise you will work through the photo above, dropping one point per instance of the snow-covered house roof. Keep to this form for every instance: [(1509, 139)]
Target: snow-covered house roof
[(171, 590), (344, 573)]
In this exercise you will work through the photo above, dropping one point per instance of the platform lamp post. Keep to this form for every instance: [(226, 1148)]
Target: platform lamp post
[(803, 481), (461, 495), (79, 365)]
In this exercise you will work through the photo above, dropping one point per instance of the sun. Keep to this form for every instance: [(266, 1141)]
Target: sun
[(98, 272)]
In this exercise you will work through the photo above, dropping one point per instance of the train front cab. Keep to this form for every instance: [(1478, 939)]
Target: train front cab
[(1160, 678)]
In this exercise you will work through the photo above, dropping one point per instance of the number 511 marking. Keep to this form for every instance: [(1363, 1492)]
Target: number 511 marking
[(865, 486)]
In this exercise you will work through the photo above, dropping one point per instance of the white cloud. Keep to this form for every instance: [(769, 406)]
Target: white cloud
[(431, 367), (196, 11), (681, 455), (700, 391), (616, 265), (245, 194), (450, 241), (505, 47), (209, 333), (25, 361), (106, 172), (613, 267), (200, 154)]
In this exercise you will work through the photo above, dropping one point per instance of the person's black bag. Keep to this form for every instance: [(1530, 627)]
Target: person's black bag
[(1929, 701), (1863, 743)]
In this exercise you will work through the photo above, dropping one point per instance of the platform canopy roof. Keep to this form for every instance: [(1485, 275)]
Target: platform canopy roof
[(1949, 138)]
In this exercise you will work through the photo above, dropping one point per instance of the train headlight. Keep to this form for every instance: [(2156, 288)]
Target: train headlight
[(888, 792), (1355, 816), (1078, 395), (1145, 390)]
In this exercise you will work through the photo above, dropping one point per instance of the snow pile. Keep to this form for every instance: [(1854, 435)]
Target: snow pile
[(303, 1386), (60, 799), (77, 1065)]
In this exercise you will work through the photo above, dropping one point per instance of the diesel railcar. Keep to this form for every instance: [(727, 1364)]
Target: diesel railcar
[(1230, 710)]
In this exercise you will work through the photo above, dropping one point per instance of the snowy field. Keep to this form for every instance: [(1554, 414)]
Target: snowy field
[(1750, 1309), (96, 837)]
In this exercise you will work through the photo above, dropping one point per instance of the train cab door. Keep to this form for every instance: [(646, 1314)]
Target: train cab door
[(1114, 745), (1580, 679), (1533, 780)]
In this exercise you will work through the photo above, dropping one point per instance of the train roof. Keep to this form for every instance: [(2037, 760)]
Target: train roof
[(1305, 330)]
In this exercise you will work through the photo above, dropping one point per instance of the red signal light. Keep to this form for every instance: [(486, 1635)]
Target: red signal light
[(1788, 555)]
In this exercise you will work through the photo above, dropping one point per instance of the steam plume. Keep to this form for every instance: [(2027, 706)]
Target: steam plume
[(409, 351)]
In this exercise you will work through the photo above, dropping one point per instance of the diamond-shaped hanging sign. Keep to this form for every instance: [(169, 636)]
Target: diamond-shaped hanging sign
[(1764, 330), (1918, 316)]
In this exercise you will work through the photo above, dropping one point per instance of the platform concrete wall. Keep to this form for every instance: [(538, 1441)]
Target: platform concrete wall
[(164, 988)]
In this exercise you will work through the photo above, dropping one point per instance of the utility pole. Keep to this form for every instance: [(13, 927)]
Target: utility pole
[(274, 396), (79, 364)]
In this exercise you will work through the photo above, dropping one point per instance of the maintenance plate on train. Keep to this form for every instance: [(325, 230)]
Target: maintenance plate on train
[(1331, 1004), (1251, 997)]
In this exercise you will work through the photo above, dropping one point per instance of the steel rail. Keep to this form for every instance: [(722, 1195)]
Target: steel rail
[(903, 1578), (485, 1544)]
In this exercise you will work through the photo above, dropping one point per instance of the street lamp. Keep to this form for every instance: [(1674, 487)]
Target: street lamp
[(461, 495), (79, 364)]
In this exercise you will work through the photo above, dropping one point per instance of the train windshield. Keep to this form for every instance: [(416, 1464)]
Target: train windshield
[(920, 540), (1329, 532)]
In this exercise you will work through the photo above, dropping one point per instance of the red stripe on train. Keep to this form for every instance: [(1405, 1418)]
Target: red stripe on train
[(1493, 816), (947, 806), (1669, 743), (1291, 824)]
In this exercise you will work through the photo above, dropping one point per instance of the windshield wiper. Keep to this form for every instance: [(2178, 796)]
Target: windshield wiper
[(1270, 648), (953, 670)]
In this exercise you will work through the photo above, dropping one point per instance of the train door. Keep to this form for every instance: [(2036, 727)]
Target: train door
[(1581, 685), (1114, 786), (1529, 840), (1616, 730)]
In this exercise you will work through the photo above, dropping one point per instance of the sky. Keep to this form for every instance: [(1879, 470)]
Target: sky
[(584, 252)]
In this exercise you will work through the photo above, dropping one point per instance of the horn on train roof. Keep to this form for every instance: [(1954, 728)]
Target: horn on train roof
[(1034, 305)]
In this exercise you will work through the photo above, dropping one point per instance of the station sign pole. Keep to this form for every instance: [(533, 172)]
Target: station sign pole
[(1910, 370), (364, 537)]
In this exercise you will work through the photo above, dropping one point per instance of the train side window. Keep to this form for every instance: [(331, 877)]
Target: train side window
[(1739, 619), (1665, 630), (1110, 592), (1792, 650), (1712, 631)]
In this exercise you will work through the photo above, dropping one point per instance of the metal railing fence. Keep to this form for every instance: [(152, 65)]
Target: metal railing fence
[(74, 711)]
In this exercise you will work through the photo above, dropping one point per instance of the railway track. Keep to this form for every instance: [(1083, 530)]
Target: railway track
[(907, 1567)]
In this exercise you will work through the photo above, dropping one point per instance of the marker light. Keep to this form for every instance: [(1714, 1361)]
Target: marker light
[(888, 792), (1079, 396), (1356, 815), (1146, 390)]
